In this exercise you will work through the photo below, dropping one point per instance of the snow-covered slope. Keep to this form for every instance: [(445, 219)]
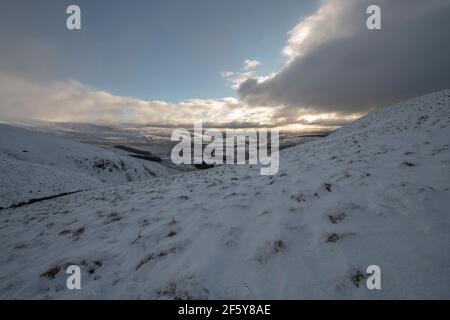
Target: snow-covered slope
[(376, 192), (35, 165)]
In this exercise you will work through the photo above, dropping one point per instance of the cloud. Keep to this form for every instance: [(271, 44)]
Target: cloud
[(334, 64), (235, 79), (70, 100), (226, 74), (250, 64), (22, 99), (335, 71)]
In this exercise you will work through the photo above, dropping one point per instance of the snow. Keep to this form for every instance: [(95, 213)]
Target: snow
[(36, 165), (375, 192)]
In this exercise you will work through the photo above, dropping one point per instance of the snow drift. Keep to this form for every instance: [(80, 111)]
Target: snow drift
[(376, 192)]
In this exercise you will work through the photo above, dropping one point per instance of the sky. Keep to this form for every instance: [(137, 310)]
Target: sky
[(291, 63)]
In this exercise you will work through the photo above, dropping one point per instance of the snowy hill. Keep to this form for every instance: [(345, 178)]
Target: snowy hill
[(376, 192), (36, 165)]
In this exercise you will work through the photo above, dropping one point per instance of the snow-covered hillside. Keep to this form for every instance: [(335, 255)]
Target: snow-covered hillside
[(376, 192), (36, 165)]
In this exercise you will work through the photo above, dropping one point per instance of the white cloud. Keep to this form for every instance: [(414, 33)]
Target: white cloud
[(226, 74), (250, 64), (235, 79), (325, 24), (22, 99)]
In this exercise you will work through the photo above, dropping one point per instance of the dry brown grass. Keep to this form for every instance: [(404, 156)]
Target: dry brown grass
[(77, 234), (171, 234), (52, 272), (144, 261), (337, 218)]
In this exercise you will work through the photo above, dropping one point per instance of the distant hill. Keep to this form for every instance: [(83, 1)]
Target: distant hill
[(36, 164)]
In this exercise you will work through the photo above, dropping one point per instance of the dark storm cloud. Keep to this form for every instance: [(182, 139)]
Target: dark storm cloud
[(351, 69)]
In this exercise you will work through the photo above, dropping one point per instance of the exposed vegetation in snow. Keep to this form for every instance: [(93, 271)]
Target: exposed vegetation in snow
[(376, 191)]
